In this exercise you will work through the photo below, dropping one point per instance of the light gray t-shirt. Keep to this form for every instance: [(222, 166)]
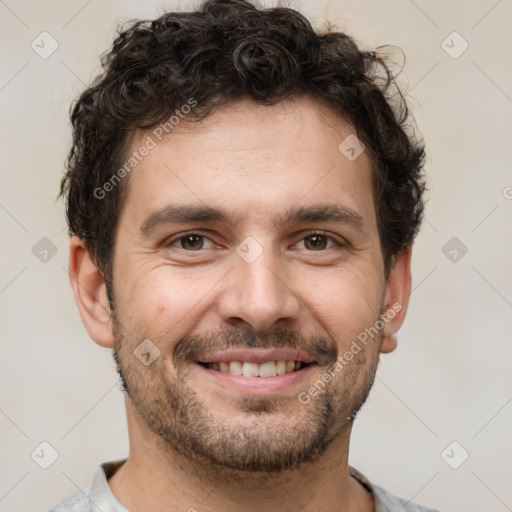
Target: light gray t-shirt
[(98, 496)]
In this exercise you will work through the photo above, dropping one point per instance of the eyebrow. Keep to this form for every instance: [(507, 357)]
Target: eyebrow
[(187, 214), (322, 213)]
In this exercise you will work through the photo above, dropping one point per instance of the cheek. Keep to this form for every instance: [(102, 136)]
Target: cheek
[(345, 303), (163, 303)]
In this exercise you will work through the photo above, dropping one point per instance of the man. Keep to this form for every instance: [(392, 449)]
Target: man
[(242, 201)]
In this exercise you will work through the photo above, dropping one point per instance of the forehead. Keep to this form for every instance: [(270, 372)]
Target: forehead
[(252, 158)]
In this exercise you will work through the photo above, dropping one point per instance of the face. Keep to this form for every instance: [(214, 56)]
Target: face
[(248, 255)]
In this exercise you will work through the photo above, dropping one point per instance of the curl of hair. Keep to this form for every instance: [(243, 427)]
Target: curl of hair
[(227, 50)]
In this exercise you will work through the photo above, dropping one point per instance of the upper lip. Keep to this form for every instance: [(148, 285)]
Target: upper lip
[(256, 355)]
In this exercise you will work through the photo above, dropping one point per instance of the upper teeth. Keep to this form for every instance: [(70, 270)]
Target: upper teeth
[(247, 369)]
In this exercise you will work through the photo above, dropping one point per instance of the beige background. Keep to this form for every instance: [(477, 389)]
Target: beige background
[(448, 381)]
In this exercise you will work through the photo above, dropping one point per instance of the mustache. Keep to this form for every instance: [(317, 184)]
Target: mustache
[(190, 348)]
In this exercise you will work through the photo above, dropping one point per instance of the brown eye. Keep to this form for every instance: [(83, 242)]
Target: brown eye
[(315, 242), (192, 242)]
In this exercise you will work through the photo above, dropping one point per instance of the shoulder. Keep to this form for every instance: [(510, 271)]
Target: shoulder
[(387, 502), (78, 502), (97, 496), (384, 500)]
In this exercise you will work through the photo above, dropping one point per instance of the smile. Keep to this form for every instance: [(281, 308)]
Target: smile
[(262, 371), (251, 369)]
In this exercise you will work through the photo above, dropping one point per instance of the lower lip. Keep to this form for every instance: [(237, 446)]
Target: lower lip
[(257, 385)]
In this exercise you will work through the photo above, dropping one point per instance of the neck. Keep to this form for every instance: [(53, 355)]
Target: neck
[(155, 478)]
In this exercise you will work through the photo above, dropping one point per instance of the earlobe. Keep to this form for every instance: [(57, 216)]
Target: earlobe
[(90, 293), (398, 290)]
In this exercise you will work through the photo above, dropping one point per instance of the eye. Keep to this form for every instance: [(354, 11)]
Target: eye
[(319, 242), (191, 242)]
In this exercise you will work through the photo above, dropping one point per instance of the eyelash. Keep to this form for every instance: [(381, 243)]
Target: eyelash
[(309, 234)]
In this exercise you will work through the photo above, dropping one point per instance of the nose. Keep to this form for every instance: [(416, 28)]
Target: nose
[(258, 296)]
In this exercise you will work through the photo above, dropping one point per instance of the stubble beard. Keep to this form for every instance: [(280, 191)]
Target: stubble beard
[(269, 434)]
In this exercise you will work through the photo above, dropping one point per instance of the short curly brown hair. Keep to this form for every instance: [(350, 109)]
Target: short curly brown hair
[(227, 50)]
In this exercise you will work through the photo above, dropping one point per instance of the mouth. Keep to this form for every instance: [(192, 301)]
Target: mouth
[(252, 369), (261, 371)]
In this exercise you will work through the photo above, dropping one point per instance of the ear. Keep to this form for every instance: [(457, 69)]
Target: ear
[(398, 290), (90, 293)]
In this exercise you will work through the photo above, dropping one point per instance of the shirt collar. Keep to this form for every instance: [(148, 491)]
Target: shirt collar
[(102, 496)]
